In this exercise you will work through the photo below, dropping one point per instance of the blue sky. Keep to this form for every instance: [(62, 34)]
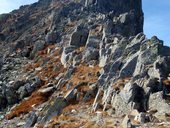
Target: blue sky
[(157, 16), (157, 19)]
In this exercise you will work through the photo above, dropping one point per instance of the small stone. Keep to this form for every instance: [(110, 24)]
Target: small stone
[(71, 94), (73, 111), (38, 69), (20, 124), (47, 90), (126, 122), (141, 118)]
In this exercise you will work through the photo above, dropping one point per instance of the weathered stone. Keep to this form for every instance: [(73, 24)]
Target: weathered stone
[(141, 118), (108, 28), (29, 88), (77, 59), (51, 37), (17, 84), (22, 92), (47, 90), (69, 72), (32, 118), (120, 105), (18, 45), (67, 55), (71, 95), (103, 57), (126, 122), (55, 109), (91, 54), (60, 83), (39, 45), (93, 42), (129, 67), (157, 102), (135, 95), (79, 37)]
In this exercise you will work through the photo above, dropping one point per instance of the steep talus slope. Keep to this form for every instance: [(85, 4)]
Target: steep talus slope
[(82, 63)]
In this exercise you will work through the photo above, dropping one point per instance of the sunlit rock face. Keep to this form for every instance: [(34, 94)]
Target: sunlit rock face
[(63, 61)]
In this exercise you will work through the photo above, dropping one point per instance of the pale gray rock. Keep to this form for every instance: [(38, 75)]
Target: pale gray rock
[(67, 55), (39, 45), (157, 102), (126, 123), (129, 67)]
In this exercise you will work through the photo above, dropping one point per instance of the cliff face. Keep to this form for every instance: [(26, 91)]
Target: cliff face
[(129, 13), (123, 17), (81, 63)]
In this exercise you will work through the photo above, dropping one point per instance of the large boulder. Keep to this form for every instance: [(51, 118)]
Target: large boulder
[(129, 67), (39, 45), (32, 118), (157, 102), (67, 55), (55, 109), (51, 37), (134, 95), (91, 54), (7, 96), (93, 42), (79, 37)]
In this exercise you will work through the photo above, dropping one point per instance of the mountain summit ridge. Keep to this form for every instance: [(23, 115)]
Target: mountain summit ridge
[(81, 63)]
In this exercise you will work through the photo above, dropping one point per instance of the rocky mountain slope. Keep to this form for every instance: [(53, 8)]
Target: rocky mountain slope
[(82, 64)]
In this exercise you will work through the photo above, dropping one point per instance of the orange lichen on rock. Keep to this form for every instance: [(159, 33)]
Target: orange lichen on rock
[(26, 106)]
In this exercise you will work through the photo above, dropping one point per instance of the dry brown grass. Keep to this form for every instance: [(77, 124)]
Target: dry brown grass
[(26, 106), (85, 74), (47, 71), (119, 84), (66, 122), (166, 82), (53, 67)]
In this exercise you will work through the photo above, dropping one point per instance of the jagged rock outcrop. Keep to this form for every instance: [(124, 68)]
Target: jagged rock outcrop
[(62, 61)]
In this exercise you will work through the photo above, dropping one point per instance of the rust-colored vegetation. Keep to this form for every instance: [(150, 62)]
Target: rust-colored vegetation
[(119, 84), (46, 73), (26, 106), (66, 122), (166, 82), (48, 60), (85, 74)]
